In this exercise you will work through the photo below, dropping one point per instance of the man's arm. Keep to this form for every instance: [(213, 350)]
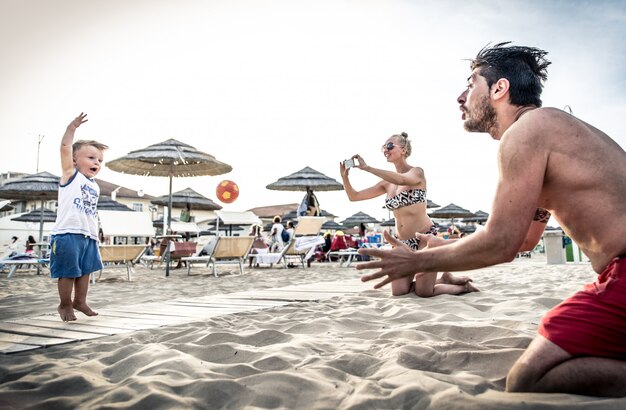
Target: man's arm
[(536, 229), (67, 157), (522, 164)]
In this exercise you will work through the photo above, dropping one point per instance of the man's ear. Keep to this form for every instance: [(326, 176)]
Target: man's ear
[(500, 88)]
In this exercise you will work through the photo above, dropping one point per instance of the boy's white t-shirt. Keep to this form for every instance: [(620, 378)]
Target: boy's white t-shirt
[(77, 211)]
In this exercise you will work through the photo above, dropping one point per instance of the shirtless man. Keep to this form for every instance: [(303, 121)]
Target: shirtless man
[(549, 161)]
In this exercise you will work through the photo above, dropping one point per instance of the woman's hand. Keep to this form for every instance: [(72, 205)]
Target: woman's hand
[(359, 162)]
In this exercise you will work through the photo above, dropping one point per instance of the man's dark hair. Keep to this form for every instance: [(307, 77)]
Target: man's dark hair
[(524, 67)]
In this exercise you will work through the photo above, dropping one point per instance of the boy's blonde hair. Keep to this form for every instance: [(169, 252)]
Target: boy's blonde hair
[(81, 143)]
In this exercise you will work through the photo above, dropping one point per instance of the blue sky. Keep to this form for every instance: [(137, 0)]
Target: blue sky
[(271, 87)]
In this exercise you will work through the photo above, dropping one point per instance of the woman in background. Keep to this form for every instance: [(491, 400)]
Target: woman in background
[(405, 190)]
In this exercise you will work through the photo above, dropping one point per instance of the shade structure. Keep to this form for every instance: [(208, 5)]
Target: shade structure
[(170, 158), (332, 226), (123, 223), (36, 216), (236, 219), (105, 203), (5, 206), (188, 197), (359, 218), (451, 211), (431, 204), (480, 216), (42, 186), (305, 179), (389, 222)]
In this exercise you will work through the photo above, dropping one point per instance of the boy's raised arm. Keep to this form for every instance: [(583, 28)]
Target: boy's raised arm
[(67, 159)]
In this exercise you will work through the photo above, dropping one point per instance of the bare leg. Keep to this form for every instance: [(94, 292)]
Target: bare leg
[(450, 279), (428, 285), (401, 286), (545, 367), (81, 286), (65, 286)]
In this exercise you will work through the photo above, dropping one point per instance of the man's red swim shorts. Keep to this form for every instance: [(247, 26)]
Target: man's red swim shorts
[(593, 321)]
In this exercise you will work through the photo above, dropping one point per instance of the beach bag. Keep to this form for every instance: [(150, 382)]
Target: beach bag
[(285, 235)]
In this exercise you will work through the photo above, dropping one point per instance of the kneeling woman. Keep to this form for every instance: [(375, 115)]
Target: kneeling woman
[(405, 189)]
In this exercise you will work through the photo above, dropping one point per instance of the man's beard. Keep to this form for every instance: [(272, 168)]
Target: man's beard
[(482, 118)]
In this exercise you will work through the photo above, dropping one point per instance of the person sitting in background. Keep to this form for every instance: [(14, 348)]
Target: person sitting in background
[(276, 240), (30, 247), (290, 229), (259, 245)]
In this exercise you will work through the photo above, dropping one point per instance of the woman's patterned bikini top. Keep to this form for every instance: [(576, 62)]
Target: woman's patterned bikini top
[(405, 198)]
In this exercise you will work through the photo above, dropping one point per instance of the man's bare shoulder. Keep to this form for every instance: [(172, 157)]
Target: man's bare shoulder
[(538, 126)]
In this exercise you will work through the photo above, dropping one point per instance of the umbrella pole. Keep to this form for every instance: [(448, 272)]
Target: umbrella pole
[(169, 229), (41, 223)]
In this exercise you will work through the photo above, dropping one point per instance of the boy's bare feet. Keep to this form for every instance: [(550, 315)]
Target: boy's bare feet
[(83, 307), (66, 313), (450, 279)]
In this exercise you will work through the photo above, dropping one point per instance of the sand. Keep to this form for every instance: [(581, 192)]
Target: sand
[(363, 349)]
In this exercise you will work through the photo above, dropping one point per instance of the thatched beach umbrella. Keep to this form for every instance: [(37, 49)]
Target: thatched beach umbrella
[(480, 216), (308, 180), (36, 216), (389, 222), (431, 204), (105, 203), (42, 186), (170, 159), (5, 206), (187, 198), (332, 226), (451, 211), (359, 218)]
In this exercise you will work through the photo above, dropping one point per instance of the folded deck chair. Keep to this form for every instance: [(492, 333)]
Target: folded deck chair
[(227, 250), (126, 254)]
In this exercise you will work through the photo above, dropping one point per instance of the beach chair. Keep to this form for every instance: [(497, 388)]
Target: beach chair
[(306, 239), (271, 258), (14, 264), (120, 254), (227, 250), (204, 250)]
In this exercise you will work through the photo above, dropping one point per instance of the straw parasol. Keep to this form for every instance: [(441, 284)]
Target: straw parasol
[(170, 159), (332, 226), (359, 218), (307, 179), (431, 204), (5, 205), (187, 197), (42, 186), (480, 216), (105, 203), (35, 216), (389, 222), (451, 211)]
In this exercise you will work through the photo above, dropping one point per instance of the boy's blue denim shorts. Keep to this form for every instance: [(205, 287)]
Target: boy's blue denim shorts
[(73, 256)]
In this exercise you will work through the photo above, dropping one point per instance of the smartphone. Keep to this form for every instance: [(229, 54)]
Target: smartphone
[(349, 163)]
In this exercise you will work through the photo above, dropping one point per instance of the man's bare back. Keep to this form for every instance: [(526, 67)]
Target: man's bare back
[(578, 156)]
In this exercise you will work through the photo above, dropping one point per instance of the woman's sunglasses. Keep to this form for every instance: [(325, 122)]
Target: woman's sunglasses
[(387, 147)]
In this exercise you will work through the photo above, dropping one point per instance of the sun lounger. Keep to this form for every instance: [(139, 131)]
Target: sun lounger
[(14, 264), (124, 254), (345, 256), (270, 258), (227, 250)]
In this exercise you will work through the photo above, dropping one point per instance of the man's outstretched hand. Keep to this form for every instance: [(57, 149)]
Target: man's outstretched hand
[(395, 263)]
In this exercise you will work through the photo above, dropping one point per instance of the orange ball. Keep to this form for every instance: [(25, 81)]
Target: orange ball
[(227, 191)]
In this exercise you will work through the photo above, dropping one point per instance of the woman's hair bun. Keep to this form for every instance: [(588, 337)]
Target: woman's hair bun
[(404, 134)]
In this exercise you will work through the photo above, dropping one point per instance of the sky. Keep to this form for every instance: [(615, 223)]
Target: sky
[(270, 87)]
